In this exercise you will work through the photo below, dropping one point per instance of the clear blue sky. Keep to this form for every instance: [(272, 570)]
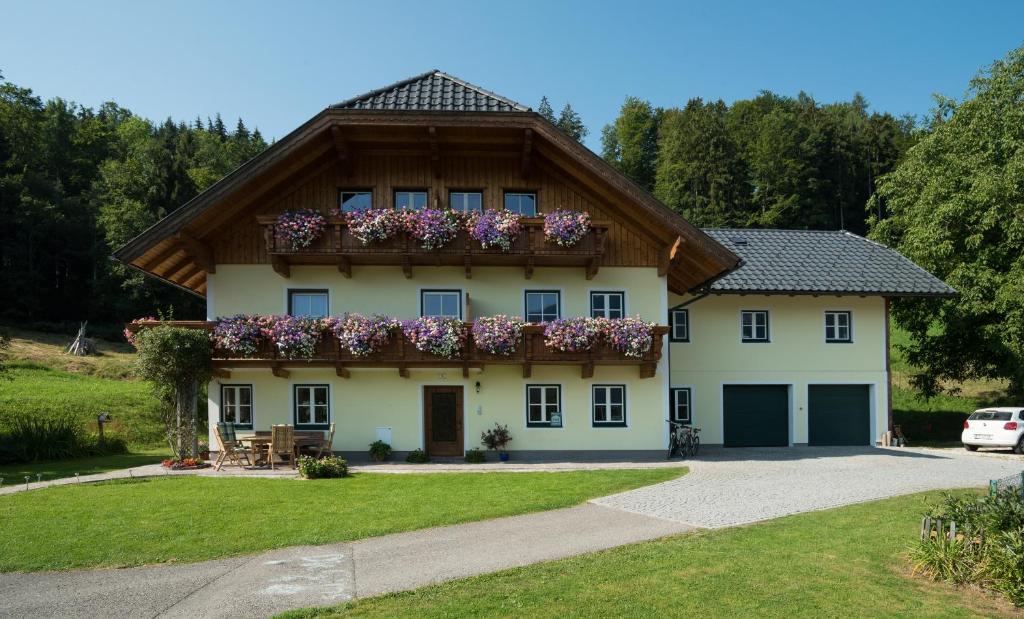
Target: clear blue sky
[(278, 63)]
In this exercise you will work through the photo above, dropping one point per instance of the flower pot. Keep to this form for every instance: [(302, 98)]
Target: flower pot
[(503, 456), (204, 455)]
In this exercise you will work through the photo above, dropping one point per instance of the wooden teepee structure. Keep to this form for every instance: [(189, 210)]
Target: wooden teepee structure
[(82, 346)]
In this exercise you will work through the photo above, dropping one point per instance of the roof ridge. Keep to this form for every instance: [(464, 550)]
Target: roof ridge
[(816, 231), (422, 76)]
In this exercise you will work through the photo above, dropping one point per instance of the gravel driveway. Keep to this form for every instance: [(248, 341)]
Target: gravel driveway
[(728, 487)]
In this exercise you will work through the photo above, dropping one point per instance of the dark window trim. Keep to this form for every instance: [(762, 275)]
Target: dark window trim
[(621, 293), (536, 199), (672, 325), (252, 405), (342, 190), (540, 424), (526, 296), (483, 195), (593, 408), (397, 190), (689, 409), (767, 328), (323, 291), (295, 408), (849, 327), (457, 291)]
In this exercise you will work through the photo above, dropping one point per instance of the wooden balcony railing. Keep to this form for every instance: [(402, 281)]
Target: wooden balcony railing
[(402, 355), (530, 249)]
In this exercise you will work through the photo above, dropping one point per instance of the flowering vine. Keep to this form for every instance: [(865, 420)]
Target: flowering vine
[(566, 228), (497, 228), (300, 228), (498, 335), (444, 337)]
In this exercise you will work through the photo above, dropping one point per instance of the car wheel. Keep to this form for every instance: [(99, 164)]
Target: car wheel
[(971, 447), (1020, 446)]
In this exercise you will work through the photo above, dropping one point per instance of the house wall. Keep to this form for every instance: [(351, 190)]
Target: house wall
[(797, 354)]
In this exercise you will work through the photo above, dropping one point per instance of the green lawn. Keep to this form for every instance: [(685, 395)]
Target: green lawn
[(15, 473), (194, 518), (847, 562)]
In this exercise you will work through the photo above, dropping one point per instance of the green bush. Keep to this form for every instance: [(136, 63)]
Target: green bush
[(417, 456), (988, 549), (29, 439), (476, 456), (380, 451), (323, 468), (930, 425)]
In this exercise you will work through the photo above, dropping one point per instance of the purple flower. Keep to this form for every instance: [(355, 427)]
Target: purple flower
[(300, 228), (497, 228), (498, 335), (630, 335), (433, 228), (374, 225), (240, 334), (444, 337), (573, 334), (363, 335), (295, 337), (566, 228)]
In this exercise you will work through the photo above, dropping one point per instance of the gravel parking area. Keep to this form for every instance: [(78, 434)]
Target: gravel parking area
[(728, 487)]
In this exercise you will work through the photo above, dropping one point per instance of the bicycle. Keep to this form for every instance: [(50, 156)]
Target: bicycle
[(682, 439)]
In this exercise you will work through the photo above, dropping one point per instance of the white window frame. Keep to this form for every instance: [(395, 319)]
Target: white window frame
[(608, 421), (835, 327), (224, 406), (545, 416), (754, 339), (607, 295), (518, 210), (674, 404), (342, 192), (313, 423), (441, 291), (308, 292), (526, 303), (673, 324), (409, 193), (461, 208)]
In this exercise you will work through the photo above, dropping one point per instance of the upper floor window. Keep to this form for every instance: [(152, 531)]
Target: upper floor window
[(441, 303), (754, 326), (609, 405), (312, 406), (681, 400), (466, 201), (838, 327), (312, 303), (413, 200), (607, 304), (355, 200), (679, 322), (524, 203), (543, 305), (236, 405)]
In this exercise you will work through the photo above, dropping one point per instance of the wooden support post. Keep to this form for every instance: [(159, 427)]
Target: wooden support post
[(345, 267), (403, 370), (587, 370), (469, 267), (528, 268), (279, 371), (527, 370), (407, 266), (592, 265), (465, 370), (342, 371), (647, 370)]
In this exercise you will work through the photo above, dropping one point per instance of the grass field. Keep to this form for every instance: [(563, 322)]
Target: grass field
[(847, 562), (194, 518), (15, 473)]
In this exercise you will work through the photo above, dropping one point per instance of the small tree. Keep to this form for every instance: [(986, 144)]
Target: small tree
[(176, 360)]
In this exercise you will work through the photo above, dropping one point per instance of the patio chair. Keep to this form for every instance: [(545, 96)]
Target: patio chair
[(282, 443), (324, 445), (228, 447)]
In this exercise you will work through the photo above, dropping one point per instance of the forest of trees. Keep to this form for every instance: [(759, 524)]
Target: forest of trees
[(767, 162), (76, 183)]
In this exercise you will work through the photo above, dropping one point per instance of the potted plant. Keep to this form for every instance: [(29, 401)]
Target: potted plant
[(204, 450), (379, 450), (496, 439)]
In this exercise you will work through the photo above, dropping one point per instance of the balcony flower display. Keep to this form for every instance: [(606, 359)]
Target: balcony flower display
[(433, 228), (497, 228), (295, 337), (444, 337), (129, 335), (630, 335), (573, 334), (566, 228), (300, 228), (497, 335), (374, 225), (240, 334), (363, 335)]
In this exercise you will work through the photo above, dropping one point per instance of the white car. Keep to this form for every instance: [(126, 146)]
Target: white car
[(994, 427)]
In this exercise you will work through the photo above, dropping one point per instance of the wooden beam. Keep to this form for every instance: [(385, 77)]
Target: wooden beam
[(189, 274), (163, 256), (221, 373), (178, 268), (435, 152), (342, 371), (345, 267), (281, 266), (647, 370), (403, 370), (587, 370), (527, 152), (341, 149), (279, 371), (527, 370), (407, 266), (200, 250), (670, 256)]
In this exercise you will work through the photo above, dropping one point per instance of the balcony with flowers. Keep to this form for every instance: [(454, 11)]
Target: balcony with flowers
[(434, 237), (358, 341)]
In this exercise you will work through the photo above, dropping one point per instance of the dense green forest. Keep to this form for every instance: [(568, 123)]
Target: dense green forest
[(76, 183)]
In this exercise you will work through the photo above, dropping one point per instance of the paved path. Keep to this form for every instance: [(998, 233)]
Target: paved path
[(728, 487), (725, 487)]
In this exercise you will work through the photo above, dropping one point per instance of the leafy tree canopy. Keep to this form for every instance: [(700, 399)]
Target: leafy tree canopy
[(956, 207)]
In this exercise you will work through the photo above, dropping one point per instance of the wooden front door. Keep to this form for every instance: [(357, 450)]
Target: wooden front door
[(442, 420)]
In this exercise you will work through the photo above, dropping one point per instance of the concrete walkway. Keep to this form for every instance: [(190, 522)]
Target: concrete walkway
[(271, 582)]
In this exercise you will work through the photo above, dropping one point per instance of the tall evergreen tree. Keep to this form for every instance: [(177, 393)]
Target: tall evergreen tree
[(630, 144), (571, 123), (544, 109)]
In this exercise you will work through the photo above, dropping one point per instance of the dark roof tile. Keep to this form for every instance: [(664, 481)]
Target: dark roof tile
[(434, 91)]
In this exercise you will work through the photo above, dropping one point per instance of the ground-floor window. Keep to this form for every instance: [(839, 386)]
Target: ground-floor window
[(680, 405), (236, 405), (609, 406), (312, 406), (543, 406)]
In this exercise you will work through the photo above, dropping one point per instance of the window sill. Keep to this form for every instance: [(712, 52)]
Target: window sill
[(543, 425), (616, 424), (312, 426), (755, 341), (839, 341)]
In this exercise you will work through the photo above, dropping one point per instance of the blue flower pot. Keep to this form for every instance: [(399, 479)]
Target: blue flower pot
[(503, 456)]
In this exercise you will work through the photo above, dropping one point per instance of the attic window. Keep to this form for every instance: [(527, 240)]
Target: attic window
[(738, 240)]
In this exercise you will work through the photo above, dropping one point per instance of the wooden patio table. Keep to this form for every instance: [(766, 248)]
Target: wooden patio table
[(261, 439)]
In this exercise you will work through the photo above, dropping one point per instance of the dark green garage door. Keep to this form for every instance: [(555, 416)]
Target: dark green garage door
[(756, 415), (839, 415)]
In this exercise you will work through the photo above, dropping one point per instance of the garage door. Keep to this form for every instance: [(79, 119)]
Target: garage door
[(756, 415), (839, 415)]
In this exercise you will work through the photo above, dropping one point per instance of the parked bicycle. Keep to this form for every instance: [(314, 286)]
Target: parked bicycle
[(682, 439)]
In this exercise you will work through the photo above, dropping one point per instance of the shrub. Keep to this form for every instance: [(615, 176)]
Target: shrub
[(476, 456), (496, 438), (28, 439), (417, 456), (322, 468), (380, 451)]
